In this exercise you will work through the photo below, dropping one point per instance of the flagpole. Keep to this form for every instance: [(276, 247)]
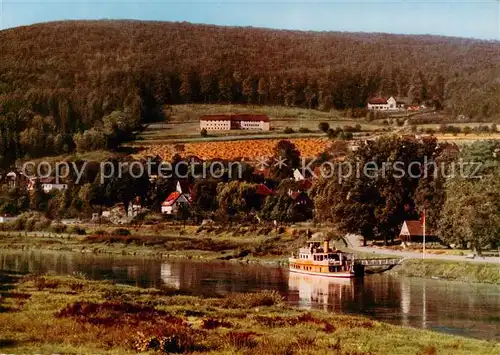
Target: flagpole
[(423, 254)]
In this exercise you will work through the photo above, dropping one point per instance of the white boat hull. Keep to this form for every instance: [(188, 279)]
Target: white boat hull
[(340, 275)]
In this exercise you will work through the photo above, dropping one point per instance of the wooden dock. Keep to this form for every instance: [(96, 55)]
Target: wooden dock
[(378, 262)]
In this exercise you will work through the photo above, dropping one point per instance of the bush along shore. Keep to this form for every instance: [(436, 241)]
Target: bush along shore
[(46, 314), (450, 270), (248, 243)]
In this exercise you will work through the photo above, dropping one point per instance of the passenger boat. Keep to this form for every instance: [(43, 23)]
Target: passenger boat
[(318, 259)]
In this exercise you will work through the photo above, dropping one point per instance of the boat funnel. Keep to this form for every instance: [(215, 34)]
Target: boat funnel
[(326, 246)]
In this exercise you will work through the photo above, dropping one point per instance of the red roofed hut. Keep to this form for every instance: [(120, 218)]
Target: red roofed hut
[(413, 231)]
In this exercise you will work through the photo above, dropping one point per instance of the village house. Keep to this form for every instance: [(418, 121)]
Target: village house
[(239, 122), (47, 184), (135, 207), (412, 231), (7, 219), (173, 202), (16, 179), (181, 196)]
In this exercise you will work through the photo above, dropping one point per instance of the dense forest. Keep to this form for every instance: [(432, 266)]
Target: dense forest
[(59, 79)]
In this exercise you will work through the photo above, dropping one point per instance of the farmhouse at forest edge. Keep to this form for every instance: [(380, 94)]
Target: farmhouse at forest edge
[(384, 104), (229, 122)]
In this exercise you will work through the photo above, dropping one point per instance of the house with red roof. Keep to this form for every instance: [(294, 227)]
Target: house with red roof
[(413, 231), (182, 195), (385, 104), (382, 104), (173, 201)]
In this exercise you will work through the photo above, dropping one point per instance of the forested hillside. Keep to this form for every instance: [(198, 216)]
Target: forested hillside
[(72, 74)]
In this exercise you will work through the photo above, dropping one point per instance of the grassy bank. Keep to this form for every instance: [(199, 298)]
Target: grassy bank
[(450, 270), (207, 243), (42, 314)]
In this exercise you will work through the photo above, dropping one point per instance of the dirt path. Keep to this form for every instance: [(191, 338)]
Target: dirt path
[(352, 244)]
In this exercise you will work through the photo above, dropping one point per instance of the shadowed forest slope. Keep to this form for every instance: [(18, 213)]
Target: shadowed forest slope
[(77, 72)]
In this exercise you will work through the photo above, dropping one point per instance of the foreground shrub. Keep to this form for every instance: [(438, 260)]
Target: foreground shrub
[(176, 340), (42, 283), (122, 231), (242, 339), (76, 230), (58, 228), (29, 221), (112, 313), (250, 300), (212, 323)]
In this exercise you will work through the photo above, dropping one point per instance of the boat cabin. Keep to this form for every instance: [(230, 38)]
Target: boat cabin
[(318, 257)]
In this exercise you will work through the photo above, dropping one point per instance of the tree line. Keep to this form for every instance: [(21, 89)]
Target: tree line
[(223, 199), (457, 190)]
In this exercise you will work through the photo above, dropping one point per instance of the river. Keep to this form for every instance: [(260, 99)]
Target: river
[(471, 310)]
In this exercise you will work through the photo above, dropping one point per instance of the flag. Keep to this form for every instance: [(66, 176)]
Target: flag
[(422, 218)]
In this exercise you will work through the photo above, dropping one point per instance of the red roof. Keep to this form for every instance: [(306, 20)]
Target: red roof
[(263, 190), (377, 101), (171, 198), (415, 227), (416, 232), (233, 117)]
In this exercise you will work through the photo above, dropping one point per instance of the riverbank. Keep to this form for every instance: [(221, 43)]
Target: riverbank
[(44, 314), (240, 244), (247, 244), (450, 270)]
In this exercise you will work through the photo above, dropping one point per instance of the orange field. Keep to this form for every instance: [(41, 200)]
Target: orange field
[(232, 150)]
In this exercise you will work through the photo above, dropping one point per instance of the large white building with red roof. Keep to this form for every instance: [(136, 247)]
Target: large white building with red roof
[(229, 122), (383, 104)]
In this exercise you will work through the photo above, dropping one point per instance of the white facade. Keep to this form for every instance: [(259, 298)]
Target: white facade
[(213, 125), (47, 184), (257, 125), (49, 187), (390, 104), (297, 175), (4, 219), (228, 124)]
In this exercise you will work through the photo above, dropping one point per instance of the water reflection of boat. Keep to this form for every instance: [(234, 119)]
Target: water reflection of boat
[(169, 276), (318, 259), (322, 290)]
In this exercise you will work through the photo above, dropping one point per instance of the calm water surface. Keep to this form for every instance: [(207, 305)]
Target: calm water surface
[(471, 310)]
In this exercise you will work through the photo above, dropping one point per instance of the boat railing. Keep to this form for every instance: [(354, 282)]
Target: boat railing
[(328, 262)]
